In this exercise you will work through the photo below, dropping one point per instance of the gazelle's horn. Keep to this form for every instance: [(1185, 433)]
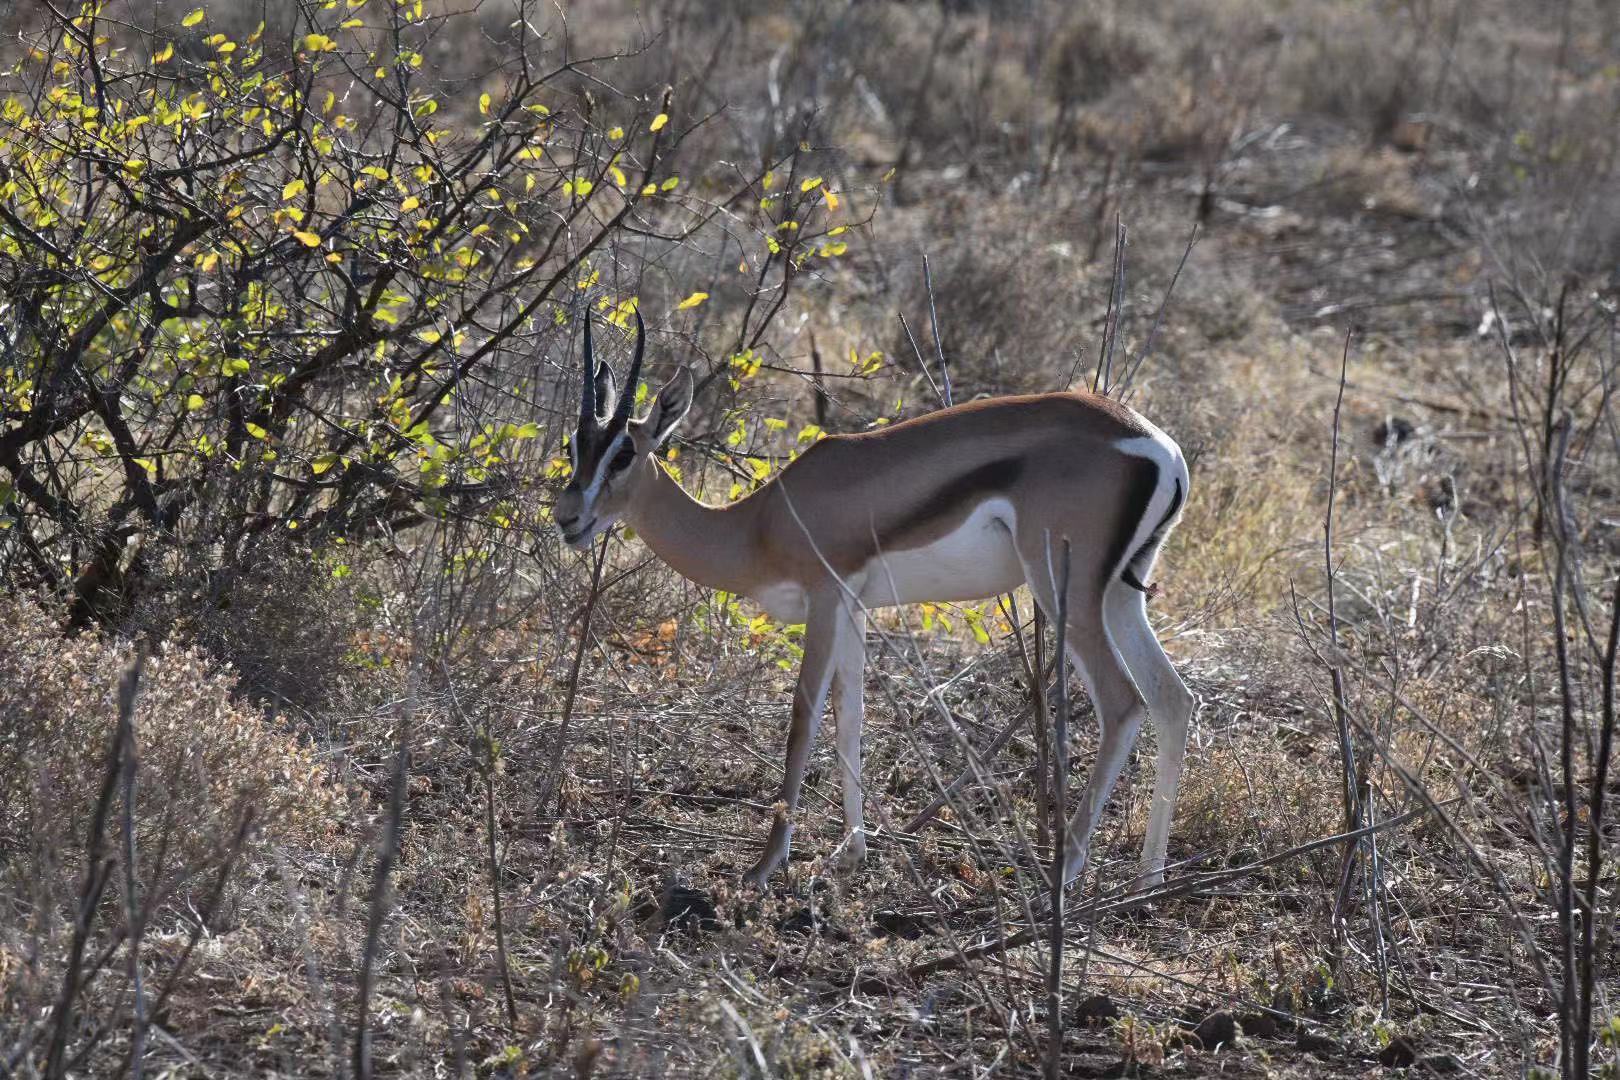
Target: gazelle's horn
[(587, 403), (628, 397)]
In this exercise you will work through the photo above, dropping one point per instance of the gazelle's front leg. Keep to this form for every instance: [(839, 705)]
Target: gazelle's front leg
[(849, 668), (809, 696)]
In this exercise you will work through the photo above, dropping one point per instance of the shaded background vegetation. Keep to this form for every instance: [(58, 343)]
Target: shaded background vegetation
[(285, 372)]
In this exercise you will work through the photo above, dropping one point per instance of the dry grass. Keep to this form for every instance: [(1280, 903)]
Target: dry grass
[(631, 948)]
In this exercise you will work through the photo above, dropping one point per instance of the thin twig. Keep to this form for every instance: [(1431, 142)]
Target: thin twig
[(931, 811), (1575, 1045), (1060, 854), (1347, 753), (1120, 904), (210, 906), (381, 894), (492, 853), (128, 688), (1102, 379), (571, 689), (1594, 832), (1122, 390), (1046, 813), (922, 363), (939, 343), (97, 870)]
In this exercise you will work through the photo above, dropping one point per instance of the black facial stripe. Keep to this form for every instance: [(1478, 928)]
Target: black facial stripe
[(590, 443)]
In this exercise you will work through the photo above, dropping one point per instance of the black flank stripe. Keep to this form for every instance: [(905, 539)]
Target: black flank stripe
[(970, 487)]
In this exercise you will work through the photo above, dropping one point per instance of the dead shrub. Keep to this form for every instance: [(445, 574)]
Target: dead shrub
[(205, 758), (1091, 53), (286, 621), (1013, 315), (1355, 179)]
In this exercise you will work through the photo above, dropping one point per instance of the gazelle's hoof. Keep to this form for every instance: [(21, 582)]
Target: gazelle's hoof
[(1148, 879), (777, 845), (758, 875), (853, 853)]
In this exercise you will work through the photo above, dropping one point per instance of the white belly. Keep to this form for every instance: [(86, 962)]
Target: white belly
[(975, 561)]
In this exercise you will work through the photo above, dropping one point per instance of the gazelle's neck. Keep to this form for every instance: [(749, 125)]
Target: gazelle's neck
[(706, 544)]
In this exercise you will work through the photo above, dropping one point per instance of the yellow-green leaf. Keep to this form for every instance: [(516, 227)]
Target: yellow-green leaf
[(483, 104), (164, 55), (292, 188), (308, 239), (319, 43), (692, 301), (257, 432), (659, 121), (194, 402), (193, 19)]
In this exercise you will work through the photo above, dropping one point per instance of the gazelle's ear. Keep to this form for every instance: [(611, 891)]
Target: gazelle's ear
[(669, 407), (604, 391)]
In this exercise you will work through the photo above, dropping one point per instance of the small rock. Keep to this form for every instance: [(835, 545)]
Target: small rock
[(1320, 1045), (1243, 856), (1393, 431), (1217, 1029), (1096, 1009), (902, 924), (688, 908), (803, 921), (806, 921), (1399, 1054)]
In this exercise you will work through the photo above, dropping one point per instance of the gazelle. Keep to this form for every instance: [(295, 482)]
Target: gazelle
[(961, 504)]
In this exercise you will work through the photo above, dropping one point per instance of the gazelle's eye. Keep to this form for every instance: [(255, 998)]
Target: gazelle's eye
[(624, 458)]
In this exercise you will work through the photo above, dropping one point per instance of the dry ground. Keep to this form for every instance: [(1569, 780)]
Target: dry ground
[(1378, 169)]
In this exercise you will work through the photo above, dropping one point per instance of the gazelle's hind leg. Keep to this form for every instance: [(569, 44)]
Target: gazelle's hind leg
[(849, 667), (1119, 707), (1170, 708), (1119, 719)]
